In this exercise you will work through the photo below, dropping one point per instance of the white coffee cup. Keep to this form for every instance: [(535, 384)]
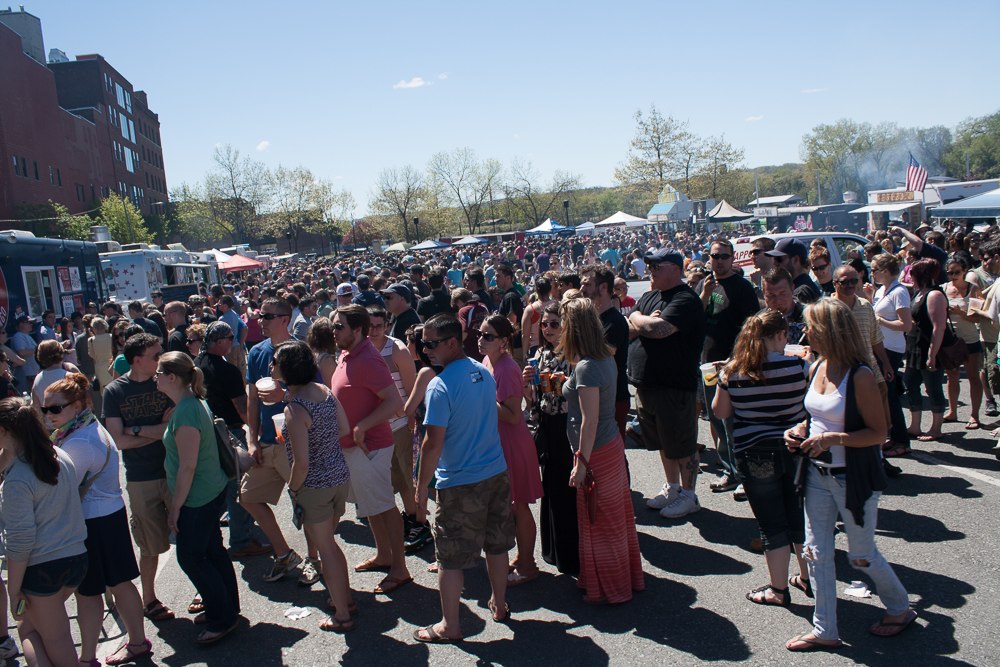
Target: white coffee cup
[(709, 374)]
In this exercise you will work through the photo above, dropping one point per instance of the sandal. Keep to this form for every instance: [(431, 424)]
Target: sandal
[(196, 606), (929, 437), (973, 424), (131, 653), (430, 636), (371, 566), (501, 617), (806, 642), (759, 596), (898, 450), (516, 578), (352, 607), (331, 624), (801, 583), (390, 584), (893, 628), (157, 611)]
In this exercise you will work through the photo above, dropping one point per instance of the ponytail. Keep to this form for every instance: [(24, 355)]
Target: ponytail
[(181, 365), (750, 352), (198, 382), (23, 423)]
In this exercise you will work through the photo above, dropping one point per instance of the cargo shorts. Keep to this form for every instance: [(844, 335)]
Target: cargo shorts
[(472, 519)]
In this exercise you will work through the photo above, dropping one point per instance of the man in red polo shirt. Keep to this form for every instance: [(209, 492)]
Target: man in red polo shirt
[(364, 386)]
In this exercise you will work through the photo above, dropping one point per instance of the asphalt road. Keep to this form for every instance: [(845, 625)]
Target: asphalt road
[(938, 526)]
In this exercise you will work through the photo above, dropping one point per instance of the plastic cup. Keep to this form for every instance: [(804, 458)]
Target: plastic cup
[(795, 350), (266, 386), (709, 374), (279, 422)]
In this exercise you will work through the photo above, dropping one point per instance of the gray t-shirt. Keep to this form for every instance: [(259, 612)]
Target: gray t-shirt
[(138, 404), (602, 374)]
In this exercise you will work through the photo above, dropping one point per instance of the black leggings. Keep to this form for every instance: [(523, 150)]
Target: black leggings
[(768, 473)]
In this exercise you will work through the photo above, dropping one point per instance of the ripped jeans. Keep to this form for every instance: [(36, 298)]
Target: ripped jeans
[(825, 498)]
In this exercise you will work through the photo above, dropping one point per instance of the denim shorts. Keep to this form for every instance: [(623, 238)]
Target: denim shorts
[(49, 578)]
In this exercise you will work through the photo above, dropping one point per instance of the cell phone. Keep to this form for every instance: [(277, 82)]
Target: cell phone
[(796, 437), (21, 604)]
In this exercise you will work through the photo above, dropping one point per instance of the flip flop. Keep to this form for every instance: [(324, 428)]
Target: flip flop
[(331, 624), (196, 606), (157, 611), (432, 637), (893, 628), (371, 566), (390, 584), (207, 637), (517, 579), (810, 644), (972, 425)]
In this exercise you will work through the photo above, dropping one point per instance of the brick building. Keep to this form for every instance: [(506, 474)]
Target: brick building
[(71, 131)]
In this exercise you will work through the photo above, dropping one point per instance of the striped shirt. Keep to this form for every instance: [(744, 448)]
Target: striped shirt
[(764, 410)]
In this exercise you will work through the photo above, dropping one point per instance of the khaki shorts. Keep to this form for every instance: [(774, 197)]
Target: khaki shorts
[(668, 419), (264, 483), (318, 505), (149, 503), (371, 483), (471, 519), (402, 462)]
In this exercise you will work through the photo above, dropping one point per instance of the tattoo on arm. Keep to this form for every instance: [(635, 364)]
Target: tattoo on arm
[(657, 327)]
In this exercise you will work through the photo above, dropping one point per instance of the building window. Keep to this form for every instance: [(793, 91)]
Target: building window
[(120, 93), (79, 192), (58, 177), (17, 165), (128, 161), (52, 175), (36, 171), (131, 130), (24, 167)]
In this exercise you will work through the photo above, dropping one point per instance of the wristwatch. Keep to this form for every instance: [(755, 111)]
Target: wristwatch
[(136, 430)]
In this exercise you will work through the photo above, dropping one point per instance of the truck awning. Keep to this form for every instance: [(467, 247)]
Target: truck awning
[(885, 208)]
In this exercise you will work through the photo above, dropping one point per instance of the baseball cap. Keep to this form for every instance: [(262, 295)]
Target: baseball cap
[(665, 255), (343, 289), (789, 247), (25, 318), (399, 289), (364, 282)]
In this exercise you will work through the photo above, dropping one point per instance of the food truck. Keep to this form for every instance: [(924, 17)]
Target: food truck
[(132, 274), (39, 274)]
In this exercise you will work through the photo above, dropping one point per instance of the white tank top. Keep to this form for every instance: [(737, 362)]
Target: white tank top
[(827, 413), (386, 352)]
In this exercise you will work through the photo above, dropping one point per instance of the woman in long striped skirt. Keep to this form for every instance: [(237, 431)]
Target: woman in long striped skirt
[(610, 564)]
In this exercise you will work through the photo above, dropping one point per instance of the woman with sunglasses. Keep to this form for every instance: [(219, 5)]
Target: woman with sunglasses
[(495, 343), (111, 560), (194, 337), (560, 535), (893, 315), (610, 564), (43, 534), (959, 291), (198, 490)]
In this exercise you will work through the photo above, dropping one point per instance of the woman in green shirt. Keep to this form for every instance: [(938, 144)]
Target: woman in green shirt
[(197, 485)]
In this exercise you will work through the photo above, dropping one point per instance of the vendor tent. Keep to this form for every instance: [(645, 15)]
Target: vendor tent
[(220, 256), (586, 228), (550, 226), (240, 263), (622, 218), (985, 205), (429, 244), (723, 212), (469, 240), (402, 246)]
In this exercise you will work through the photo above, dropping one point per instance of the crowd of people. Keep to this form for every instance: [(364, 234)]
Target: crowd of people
[(474, 382)]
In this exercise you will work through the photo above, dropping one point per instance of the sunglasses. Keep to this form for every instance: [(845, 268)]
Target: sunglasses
[(954, 273), (550, 325), (53, 409), (719, 255), (821, 268), (488, 337), (848, 282), (271, 316), (194, 340), (432, 344)]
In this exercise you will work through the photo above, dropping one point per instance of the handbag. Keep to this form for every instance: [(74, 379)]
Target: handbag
[(954, 352), (589, 489), (233, 459)]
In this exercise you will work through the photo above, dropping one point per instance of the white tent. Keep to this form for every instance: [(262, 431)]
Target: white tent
[(429, 244), (585, 229), (622, 218), (220, 256), (550, 226), (469, 240)]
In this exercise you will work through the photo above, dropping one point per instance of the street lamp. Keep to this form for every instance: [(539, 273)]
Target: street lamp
[(288, 237), (416, 228), (566, 211)]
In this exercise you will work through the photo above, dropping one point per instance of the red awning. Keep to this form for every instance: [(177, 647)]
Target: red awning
[(240, 263)]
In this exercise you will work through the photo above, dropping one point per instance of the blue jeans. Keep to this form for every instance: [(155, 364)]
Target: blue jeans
[(241, 532), (723, 433), (205, 562), (825, 498)]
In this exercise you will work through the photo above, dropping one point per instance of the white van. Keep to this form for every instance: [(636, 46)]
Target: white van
[(838, 243)]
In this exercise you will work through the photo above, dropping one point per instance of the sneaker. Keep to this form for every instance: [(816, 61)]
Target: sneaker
[(991, 409), (725, 482), (311, 572), (409, 521), (740, 495), (666, 495), (682, 505), (418, 537), (8, 649), (283, 566)]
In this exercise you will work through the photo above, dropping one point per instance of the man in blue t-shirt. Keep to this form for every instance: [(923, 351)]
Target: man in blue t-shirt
[(461, 450)]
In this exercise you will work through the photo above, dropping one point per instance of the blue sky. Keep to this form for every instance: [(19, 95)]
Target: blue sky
[(347, 89)]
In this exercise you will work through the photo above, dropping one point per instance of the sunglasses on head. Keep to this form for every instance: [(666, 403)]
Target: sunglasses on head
[(53, 409), (194, 340), (549, 325)]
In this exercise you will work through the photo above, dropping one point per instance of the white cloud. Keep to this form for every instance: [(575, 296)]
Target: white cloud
[(753, 119), (263, 145), (810, 91), (443, 76), (415, 82)]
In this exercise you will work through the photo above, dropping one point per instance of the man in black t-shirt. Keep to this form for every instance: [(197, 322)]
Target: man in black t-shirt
[(729, 299), (175, 315), (792, 255), (226, 395), (475, 282), (397, 301), (135, 311), (511, 307), (598, 284), (439, 300), (135, 414), (667, 329)]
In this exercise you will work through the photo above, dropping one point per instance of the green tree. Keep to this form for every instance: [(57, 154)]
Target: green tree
[(977, 144), (661, 144), (123, 220), (70, 226)]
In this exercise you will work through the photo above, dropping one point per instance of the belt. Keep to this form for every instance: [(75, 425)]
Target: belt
[(829, 472)]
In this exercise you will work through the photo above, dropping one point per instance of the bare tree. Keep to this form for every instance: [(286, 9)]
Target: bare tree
[(468, 181), (237, 191), (533, 200), (399, 192), (720, 161)]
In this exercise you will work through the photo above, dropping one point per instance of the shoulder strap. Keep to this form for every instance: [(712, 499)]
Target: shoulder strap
[(88, 480)]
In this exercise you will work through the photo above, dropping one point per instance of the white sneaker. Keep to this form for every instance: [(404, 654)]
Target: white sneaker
[(682, 505), (666, 495), (8, 649)]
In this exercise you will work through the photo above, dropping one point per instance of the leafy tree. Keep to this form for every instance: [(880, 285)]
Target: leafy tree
[(932, 143), (720, 163), (71, 226), (977, 143), (661, 143), (123, 220)]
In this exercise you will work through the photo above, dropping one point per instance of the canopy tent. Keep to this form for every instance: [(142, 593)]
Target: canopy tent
[(885, 208), (469, 240), (985, 205), (586, 228), (723, 212), (429, 244), (622, 218), (240, 263), (550, 226), (281, 258), (402, 246), (220, 256)]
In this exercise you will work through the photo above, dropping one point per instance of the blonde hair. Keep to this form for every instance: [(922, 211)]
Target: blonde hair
[(749, 352), (181, 365), (834, 334), (582, 335)]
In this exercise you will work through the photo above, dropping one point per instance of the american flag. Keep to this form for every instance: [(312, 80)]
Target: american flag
[(916, 176)]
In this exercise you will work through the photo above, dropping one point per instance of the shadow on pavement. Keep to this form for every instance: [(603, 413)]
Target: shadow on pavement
[(917, 485), (245, 647), (914, 528), (688, 560)]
